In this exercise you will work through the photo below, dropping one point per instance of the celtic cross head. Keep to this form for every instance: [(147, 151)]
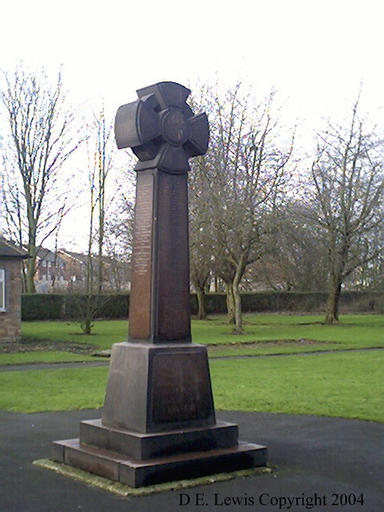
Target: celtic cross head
[(161, 128)]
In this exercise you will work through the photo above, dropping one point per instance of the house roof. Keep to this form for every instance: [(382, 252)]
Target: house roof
[(77, 256), (9, 250), (46, 255)]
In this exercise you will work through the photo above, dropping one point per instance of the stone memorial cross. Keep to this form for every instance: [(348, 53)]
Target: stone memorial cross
[(163, 133), (158, 421)]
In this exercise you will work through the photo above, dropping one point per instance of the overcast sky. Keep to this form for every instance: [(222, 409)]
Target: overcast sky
[(314, 53)]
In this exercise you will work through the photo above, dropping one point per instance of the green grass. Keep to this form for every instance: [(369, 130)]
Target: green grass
[(354, 331), (348, 385), (52, 390), (104, 333)]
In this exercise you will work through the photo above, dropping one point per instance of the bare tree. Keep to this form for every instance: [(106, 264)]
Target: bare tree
[(200, 235), (40, 142), (246, 173), (88, 312), (348, 191), (370, 274), (119, 224), (295, 257), (99, 164), (118, 241), (103, 153)]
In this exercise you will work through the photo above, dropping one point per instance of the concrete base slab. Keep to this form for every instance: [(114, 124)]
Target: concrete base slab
[(125, 490)]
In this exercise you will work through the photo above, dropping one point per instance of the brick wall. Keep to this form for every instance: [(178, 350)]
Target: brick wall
[(10, 319)]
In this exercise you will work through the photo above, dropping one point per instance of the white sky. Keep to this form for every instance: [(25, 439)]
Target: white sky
[(314, 53)]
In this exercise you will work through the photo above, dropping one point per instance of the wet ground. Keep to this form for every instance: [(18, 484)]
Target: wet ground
[(321, 464)]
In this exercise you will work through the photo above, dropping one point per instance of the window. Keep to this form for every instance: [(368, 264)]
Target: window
[(2, 289)]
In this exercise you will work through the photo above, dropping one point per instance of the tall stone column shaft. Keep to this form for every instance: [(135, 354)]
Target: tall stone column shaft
[(160, 298)]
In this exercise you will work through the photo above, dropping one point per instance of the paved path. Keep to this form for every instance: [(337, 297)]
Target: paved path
[(51, 366), (304, 353), (85, 364), (315, 457)]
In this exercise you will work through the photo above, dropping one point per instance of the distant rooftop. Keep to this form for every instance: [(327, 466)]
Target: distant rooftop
[(46, 254), (80, 257), (10, 250)]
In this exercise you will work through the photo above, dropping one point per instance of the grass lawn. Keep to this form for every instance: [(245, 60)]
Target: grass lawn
[(52, 390), (104, 332), (348, 385), (354, 331)]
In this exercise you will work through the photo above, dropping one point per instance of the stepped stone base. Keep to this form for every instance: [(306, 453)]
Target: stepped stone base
[(147, 446), (138, 473), (158, 422)]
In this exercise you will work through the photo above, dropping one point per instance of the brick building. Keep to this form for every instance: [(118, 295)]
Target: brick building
[(10, 290)]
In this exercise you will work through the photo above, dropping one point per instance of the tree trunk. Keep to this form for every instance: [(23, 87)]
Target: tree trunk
[(230, 302), (237, 301), (29, 278), (332, 312), (100, 244), (87, 313), (116, 276), (201, 313), (238, 313), (100, 273), (86, 325)]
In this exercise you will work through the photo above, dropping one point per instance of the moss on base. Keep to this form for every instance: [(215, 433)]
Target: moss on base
[(125, 490)]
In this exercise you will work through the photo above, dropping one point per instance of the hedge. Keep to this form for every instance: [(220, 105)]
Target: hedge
[(66, 306)]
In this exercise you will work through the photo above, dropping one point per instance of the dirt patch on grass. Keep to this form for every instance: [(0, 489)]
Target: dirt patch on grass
[(269, 343), (37, 345)]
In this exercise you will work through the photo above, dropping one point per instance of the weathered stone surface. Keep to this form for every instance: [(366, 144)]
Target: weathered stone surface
[(158, 421), (137, 473), (158, 387), (157, 444), (159, 302), (161, 128)]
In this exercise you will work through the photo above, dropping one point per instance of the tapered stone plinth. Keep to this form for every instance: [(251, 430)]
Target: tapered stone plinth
[(155, 388), (158, 421)]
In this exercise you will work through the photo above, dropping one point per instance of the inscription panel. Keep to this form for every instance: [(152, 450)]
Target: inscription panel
[(143, 226), (181, 388), (140, 300), (173, 253)]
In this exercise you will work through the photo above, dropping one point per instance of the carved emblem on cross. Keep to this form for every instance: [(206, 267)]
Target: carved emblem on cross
[(161, 128)]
